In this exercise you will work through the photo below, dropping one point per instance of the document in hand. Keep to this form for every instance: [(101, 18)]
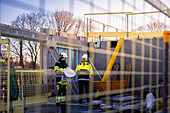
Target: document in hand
[(69, 72)]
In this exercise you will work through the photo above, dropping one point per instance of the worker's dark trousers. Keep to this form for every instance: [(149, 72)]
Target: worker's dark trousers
[(64, 88), (83, 84), (63, 107)]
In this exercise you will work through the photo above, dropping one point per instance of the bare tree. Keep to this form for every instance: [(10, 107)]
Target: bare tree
[(32, 51), (65, 22), (157, 26), (51, 22), (78, 28), (153, 27), (15, 45), (14, 49), (31, 21), (62, 21)]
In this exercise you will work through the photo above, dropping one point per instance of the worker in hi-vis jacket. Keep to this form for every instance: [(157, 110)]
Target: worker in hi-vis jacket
[(84, 71), (61, 80)]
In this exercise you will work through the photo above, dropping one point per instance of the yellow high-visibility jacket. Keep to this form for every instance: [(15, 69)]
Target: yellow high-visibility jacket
[(84, 71)]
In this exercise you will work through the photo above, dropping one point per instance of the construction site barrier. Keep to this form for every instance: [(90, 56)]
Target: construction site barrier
[(31, 86)]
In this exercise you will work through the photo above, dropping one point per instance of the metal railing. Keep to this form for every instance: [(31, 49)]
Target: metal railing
[(31, 85)]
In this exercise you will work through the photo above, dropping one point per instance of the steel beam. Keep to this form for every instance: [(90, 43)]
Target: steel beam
[(160, 6), (124, 34), (106, 34), (146, 35), (12, 32), (108, 13)]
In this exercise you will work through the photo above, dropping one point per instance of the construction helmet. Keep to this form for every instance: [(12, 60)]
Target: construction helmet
[(63, 54), (84, 56)]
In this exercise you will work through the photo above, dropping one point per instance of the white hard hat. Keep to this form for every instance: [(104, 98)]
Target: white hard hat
[(63, 54), (84, 56)]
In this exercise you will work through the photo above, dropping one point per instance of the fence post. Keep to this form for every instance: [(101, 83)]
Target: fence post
[(24, 100), (165, 98), (8, 80)]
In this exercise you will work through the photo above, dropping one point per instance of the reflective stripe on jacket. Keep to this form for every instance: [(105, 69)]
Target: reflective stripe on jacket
[(60, 99), (58, 67), (84, 71)]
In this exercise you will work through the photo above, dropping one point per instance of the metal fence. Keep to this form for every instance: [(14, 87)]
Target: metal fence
[(31, 87), (3, 90), (141, 84), (130, 73), (137, 70)]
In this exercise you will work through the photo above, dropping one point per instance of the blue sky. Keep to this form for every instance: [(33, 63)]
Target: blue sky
[(10, 9)]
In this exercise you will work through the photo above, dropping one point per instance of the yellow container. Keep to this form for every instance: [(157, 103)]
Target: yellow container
[(116, 85)]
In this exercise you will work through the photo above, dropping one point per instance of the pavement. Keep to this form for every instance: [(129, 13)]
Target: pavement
[(47, 108), (50, 107), (75, 107)]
